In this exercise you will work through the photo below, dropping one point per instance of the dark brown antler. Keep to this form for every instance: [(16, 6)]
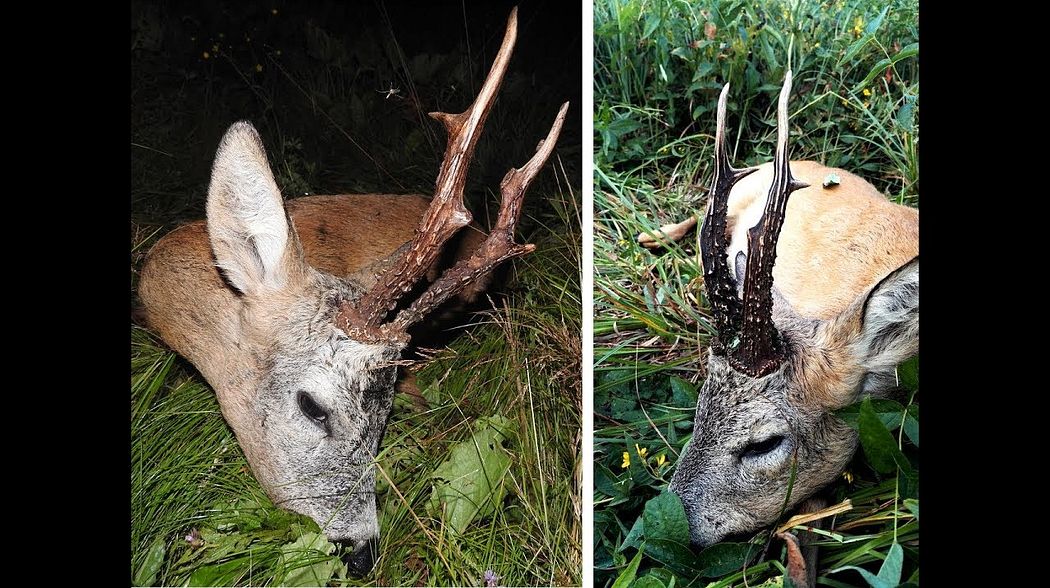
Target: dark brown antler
[(761, 349), (721, 290), (365, 319)]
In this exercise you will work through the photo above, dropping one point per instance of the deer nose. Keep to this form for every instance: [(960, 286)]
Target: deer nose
[(362, 559)]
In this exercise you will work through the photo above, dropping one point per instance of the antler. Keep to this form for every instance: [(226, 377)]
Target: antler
[(364, 319), (761, 349), (721, 290), (499, 246)]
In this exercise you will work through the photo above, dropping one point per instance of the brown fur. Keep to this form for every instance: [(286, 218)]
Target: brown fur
[(184, 292), (837, 242)]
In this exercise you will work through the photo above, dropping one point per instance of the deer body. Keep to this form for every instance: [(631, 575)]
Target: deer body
[(291, 310), (814, 293)]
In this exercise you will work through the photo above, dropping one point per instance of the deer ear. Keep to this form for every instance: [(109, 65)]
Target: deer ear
[(889, 331), (253, 242)]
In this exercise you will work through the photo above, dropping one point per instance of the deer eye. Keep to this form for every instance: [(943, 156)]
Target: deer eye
[(763, 447), (311, 409)]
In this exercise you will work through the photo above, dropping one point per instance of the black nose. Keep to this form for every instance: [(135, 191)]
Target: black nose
[(361, 559)]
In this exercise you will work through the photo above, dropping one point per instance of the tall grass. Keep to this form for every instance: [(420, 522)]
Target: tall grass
[(316, 83), (659, 65)]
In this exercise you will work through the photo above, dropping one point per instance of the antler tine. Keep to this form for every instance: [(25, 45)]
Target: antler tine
[(721, 290), (445, 216), (761, 349), (499, 246)]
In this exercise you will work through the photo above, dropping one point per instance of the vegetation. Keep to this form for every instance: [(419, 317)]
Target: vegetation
[(659, 65), (339, 95)]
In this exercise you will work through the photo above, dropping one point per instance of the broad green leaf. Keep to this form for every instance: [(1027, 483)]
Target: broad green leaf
[(913, 506), (888, 411), (674, 554), (608, 484), (469, 483), (909, 51), (723, 558), (648, 581), (890, 572), (306, 564), (906, 114), (879, 445), (665, 519), (682, 52), (908, 481), (908, 374), (634, 537), (664, 575), (683, 393), (627, 576), (147, 572), (651, 22), (222, 574), (911, 424), (869, 577)]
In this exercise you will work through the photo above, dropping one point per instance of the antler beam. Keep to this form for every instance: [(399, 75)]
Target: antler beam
[(366, 318), (499, 246), (445, 216), (761, 349), (721, 290)]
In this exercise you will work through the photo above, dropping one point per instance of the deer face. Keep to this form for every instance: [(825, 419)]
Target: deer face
[(320, 410), (765, 437), (748, 435), (308, 403)]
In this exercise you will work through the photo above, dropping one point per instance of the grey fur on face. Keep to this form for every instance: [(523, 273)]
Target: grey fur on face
[(748, 435), (322, 411)]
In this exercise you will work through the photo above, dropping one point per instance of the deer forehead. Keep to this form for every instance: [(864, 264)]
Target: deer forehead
[(313, 364)]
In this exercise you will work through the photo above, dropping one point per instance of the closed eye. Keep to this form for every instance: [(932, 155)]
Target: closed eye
[(763, 447), (311, 409)]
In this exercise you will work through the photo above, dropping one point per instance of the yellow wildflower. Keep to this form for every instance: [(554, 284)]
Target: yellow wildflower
[(626, 460), (661, 460), (258, 67), (848, 475), (867, 92), (817, 44), (866, 104), (641, 451)]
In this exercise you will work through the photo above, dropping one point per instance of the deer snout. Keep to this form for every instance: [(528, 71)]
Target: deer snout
[(360, 556)]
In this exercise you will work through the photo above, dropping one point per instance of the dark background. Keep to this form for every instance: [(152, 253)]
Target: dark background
[(315, 80)]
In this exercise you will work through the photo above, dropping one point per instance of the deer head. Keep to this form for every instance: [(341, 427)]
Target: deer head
[(764, 413), (310, 405)]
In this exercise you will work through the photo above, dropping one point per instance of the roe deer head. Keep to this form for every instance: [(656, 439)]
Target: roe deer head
[(828, 322), (289, 311)]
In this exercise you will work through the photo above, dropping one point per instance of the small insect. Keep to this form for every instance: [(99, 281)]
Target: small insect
[(391, 92)]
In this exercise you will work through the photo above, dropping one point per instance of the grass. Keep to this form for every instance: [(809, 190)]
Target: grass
[(659, 67), (313, 80)]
